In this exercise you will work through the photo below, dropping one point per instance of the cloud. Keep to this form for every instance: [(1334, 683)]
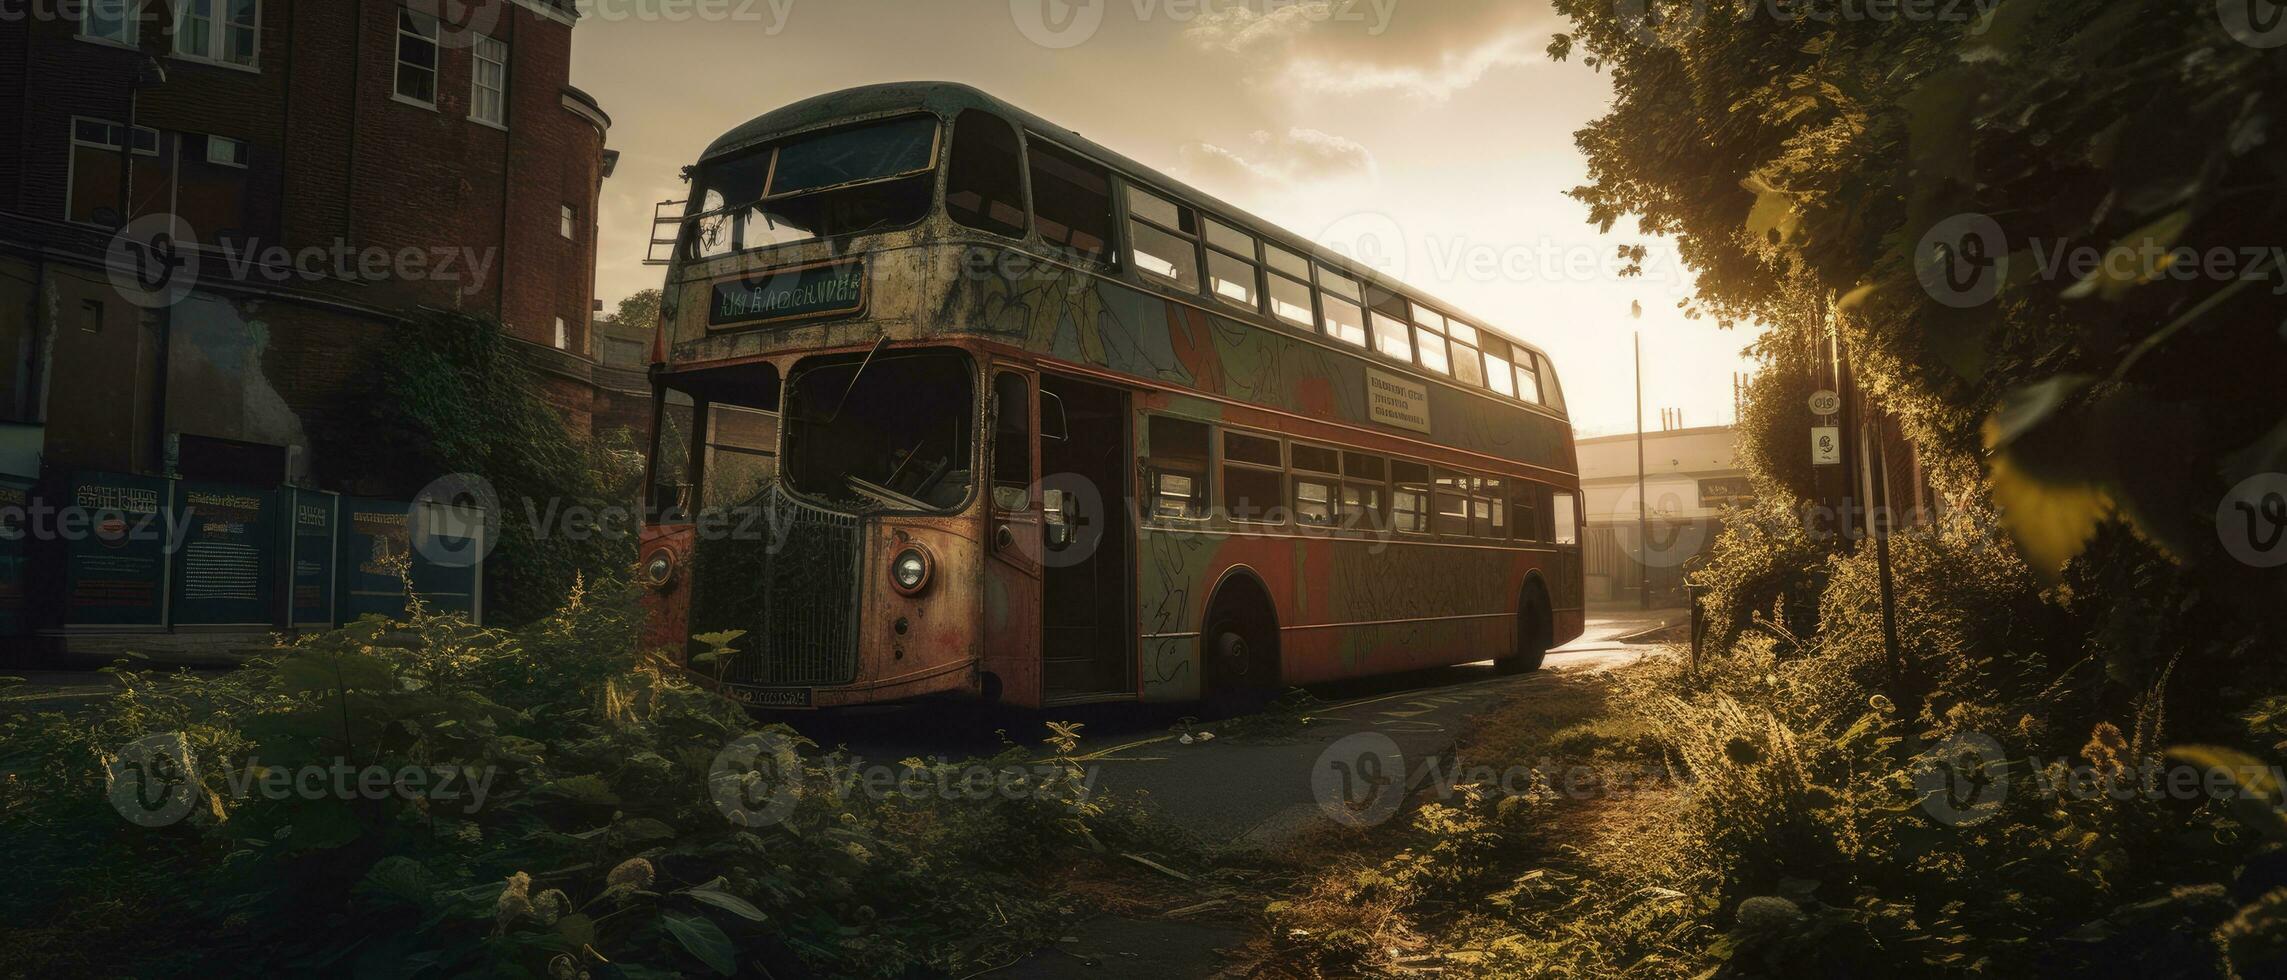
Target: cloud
[(1349, 47), (1300, 156)]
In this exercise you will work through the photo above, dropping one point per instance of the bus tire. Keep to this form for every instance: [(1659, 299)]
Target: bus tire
[(1238, 651), (1534, 631)]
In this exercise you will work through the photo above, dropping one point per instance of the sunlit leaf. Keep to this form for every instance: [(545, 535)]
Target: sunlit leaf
[(2138, 258)]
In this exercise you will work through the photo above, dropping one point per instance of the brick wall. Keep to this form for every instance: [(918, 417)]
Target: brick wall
[(335, 159)]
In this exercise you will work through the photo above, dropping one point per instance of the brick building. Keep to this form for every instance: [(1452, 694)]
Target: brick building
[(299, 174)]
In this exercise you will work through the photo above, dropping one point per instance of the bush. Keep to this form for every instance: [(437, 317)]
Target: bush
[(449, 394), (599, 839)]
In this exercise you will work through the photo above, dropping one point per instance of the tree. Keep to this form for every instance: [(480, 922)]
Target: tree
[(639, 311), (2048, 232)]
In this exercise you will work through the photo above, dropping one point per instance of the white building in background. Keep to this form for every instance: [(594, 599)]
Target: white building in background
[(1691, 477)]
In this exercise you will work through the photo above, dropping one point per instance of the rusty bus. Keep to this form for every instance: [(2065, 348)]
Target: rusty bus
[(951, 401)]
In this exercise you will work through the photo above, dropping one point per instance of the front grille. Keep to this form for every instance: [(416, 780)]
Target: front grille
[(793, 589)]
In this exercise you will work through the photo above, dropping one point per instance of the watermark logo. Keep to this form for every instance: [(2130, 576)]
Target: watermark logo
[(1360, 780), (1657, 536), (1371, 239), (153, 261), (153, 781), (1058, 24), (2252, 521), (456, 520), (754, 779), (1963, 781), (464, 23), (2255, 23), (1962, 260)]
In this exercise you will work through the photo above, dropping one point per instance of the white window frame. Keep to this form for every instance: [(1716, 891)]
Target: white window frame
[(112, 134), (479, 60), (130, 23), (244, 150), (571, 224), (218, 32), (563, 334), (436, 59)]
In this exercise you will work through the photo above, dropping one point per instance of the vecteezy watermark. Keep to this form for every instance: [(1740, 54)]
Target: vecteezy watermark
[(2252, 521), (1963, 260), (1362, 780), (774, 15), (1060, 24), (759, 778), (2255, 23), (1968, 779), (1668, 21), (156, 261), (1661, 533), (155, 782), (153, 261)]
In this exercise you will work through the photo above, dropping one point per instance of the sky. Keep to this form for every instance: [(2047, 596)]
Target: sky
[(1432, 138)]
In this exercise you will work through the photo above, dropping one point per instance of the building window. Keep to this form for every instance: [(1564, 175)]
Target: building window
[(417, 58), (984, 180), (224, 31), (488, 95), (110, 20), (570, 221), (1163, 238), (210, 186), (563, 334), (93, 197)]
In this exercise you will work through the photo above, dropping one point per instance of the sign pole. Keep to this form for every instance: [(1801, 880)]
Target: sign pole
[(1643, 507)]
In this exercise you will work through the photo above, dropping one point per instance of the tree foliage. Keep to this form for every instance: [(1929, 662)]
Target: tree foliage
[(1884, 162), (449, 395)]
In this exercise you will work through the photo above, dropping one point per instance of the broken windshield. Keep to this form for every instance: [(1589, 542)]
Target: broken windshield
[(842, 182), (894, 433)]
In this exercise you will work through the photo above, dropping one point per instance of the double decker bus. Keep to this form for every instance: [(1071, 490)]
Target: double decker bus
[(953, 402)]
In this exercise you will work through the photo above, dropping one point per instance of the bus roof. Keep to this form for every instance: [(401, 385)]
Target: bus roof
[(948, 99)]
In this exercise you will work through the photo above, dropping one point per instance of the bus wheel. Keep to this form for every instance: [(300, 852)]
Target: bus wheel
[(1239, 658), (1533, 633)]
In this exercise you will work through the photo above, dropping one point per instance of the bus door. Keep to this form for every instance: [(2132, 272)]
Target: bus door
[(1014, 540), (1087, 542)]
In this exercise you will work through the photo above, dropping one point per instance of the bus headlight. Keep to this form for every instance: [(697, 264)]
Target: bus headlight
[(659, 569), (909, 571)]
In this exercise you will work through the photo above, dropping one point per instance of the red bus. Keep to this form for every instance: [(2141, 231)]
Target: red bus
[(953, 402)]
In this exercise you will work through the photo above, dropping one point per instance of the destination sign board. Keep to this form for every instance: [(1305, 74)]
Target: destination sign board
[(1398, 401), (828, 289)]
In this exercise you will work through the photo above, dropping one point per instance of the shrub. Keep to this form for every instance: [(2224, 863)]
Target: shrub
[(600, 836)]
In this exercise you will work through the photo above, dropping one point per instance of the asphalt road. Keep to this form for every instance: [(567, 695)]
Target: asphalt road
[(1255, 787)]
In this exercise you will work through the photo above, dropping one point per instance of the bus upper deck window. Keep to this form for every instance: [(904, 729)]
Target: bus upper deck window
[(1163, 238), (1392, 338), (1071, 200), (1528, 379), (1287, 280), (1500, 374), (984, 182), (1341, 314), (1429, 337), (1231, 269), (1177, 467), (1468, 362)]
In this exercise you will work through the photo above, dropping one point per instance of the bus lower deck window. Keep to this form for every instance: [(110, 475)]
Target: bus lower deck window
[(1313, 502), (1178, 468), (1361, 507)]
